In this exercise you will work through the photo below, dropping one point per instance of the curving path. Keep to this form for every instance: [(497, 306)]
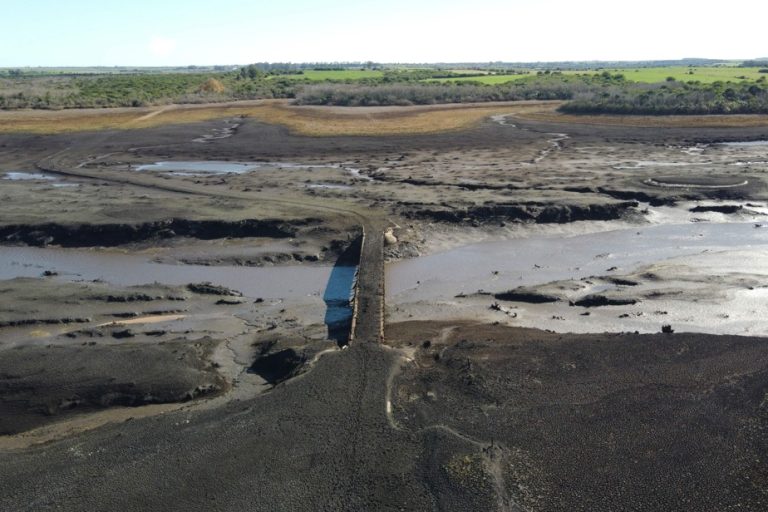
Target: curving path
[(368, 306)]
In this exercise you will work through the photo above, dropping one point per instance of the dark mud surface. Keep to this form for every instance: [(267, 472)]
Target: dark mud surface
[(318, 442), (486, 418), (107, 235), (43, 384), (493, 174), (449, 416), (600, 422)]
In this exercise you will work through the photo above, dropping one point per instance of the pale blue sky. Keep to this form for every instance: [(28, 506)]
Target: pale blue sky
[(183, 32)]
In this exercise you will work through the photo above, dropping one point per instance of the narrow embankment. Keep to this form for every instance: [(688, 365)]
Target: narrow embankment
[(368, 312)]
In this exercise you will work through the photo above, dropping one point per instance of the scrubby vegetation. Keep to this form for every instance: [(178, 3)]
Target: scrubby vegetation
[(560, 87), (114, 90), (605, 93), (368, 84), (673, 98)]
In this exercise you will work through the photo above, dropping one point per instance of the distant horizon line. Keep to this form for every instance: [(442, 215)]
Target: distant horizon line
[(393, 63)]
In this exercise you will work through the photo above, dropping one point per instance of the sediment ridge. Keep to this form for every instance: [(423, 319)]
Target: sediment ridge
[(538, 213), (107, 235)]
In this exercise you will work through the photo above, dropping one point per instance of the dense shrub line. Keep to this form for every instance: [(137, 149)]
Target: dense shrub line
[(420, 93), (600, 94), (673, 98)]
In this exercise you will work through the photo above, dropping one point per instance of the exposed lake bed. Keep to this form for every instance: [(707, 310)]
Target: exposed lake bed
[(170, 319)]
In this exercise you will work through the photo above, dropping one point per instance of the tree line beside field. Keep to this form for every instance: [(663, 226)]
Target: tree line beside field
[(603, 93)]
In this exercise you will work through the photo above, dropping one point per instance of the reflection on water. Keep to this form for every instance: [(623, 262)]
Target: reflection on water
[(303, 284), (337, 298), (339, 293)]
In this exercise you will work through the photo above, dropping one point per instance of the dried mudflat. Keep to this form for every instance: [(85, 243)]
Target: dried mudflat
[(448, 414), (481, 418)]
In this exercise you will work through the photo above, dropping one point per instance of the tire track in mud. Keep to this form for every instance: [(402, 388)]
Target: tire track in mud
[(357, 427), (555, 142), (492, 453), (54, 165), (555, 146), (150, 115)]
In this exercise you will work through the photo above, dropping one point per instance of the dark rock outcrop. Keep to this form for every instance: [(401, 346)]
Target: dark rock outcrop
[(212, 289), (86, 235), (278, 366), (536, 213), (596, 301), (724, 208), (523, 295)]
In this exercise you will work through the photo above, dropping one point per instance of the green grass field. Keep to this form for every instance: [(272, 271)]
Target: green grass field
[(347, 74), (685, 74), (650, 75), (488, 79)]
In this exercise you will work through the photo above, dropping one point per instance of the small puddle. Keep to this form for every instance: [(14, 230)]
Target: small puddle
[(27, 176), (214, 167), (694, 150), (37, 177), (642, 164), (199, 168), (503, 120), (330, 186), (744, 163), (554, 145), (693, 182), (219, 133), (749, 143), (357, 173), (338, 302)]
